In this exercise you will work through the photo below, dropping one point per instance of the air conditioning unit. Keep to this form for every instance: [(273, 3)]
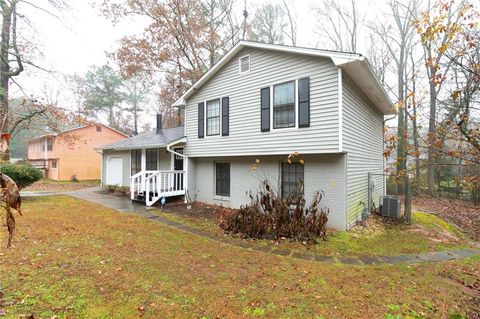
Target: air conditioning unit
[(390, 206)]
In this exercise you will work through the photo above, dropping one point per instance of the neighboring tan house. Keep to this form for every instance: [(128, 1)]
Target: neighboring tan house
[(71, 154), (263, 102)]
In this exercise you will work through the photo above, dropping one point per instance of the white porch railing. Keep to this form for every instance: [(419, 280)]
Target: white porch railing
[(154, 185)]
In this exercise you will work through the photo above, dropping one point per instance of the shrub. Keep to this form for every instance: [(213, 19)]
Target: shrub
[(121, 190), (23, 174), (271, 216)]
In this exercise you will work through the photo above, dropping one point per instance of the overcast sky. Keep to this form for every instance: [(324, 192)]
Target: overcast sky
[(81, 37)]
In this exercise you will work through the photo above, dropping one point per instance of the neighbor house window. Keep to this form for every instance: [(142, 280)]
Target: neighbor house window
[(292, 179), (244, 64), (284, 105), (152, 158), (213, 117), (54, 164), (222, 179), (49, 144), (136, 161)]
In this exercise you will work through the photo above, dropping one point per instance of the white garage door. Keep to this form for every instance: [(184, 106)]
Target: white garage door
[(114, 171)]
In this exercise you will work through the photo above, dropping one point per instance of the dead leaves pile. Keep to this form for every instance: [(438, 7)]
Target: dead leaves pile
[(462, 214)]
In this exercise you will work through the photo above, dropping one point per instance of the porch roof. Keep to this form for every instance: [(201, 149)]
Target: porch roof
[(147, 140)]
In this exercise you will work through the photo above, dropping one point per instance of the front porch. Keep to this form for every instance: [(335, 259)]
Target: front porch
[(151, 186), (157, 173)]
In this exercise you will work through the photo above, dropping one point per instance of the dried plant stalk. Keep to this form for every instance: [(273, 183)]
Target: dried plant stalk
[(11, 198)]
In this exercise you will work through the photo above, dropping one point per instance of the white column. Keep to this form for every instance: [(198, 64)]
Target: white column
[(143, 165)]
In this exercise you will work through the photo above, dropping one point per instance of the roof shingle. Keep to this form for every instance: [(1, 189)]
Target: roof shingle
[(147, 140)]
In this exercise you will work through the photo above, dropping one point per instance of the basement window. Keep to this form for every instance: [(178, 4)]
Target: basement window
[(292, 179)]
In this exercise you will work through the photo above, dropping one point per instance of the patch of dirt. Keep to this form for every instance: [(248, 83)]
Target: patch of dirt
[(464, 215), (374, 224), (195, 209), (439, 236)]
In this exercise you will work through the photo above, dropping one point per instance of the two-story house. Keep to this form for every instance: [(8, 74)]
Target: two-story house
[(258, 104), (71, 154)]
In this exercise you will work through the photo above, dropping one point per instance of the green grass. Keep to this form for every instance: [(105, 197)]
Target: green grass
[(77, 259), (393, 240)]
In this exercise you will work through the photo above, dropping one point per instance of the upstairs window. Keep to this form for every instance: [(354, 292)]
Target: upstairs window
[(99, 128), (244, 64), (213, 117), (284, 105), (49, 144)]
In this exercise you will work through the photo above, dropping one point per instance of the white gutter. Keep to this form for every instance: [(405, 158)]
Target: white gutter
[(185, 162)]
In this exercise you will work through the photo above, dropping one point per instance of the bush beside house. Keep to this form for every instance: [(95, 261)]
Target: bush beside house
[(22, 174)]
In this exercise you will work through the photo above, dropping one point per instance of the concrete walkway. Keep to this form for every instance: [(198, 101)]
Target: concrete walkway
[(124, 205)]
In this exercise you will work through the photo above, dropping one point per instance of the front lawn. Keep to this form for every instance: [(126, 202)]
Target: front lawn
[(77, 259), (63, 186), (377, 237)]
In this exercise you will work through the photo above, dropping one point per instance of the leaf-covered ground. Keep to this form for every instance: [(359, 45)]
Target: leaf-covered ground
[(376, 237), (462, 214), (80, 260), (63, 186)]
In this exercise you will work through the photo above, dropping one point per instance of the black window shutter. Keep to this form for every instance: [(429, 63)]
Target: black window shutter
[(304, 102), (201, 120), (265, 109), (225, 116)]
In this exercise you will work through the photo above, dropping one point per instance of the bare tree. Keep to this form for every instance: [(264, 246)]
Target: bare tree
[(12, 59), (398, 37), (292, 21), (435, 26), (339, 25), (269, 24)]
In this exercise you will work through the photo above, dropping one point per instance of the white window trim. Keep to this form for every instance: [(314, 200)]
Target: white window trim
[(296, 105), (205, 135), (221, 197), (240, 64)]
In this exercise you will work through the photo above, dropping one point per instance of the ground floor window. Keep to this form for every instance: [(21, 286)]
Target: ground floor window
[(292, 179), (136, 156), (222, 179), (152, 159), (54, 164)]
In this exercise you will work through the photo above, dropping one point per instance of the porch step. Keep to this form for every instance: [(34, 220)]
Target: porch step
[(138, 199)]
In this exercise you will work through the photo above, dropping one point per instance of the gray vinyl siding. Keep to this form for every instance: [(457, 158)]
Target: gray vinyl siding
[(322, 172), (245, 137), (363, 143), (125, 155)]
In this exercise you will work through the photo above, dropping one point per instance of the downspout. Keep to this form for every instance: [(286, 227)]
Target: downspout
[(169, 149)]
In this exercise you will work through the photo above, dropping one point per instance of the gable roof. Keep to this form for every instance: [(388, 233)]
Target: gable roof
[(78, 128), (147, 140), (355, 65)]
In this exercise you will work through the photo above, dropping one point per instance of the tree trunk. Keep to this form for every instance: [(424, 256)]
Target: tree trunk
[(5, 70), (401, 149), (431, 136)]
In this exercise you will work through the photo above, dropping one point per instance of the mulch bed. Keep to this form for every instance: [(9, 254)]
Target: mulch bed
[(197, 209), (464, 215)]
